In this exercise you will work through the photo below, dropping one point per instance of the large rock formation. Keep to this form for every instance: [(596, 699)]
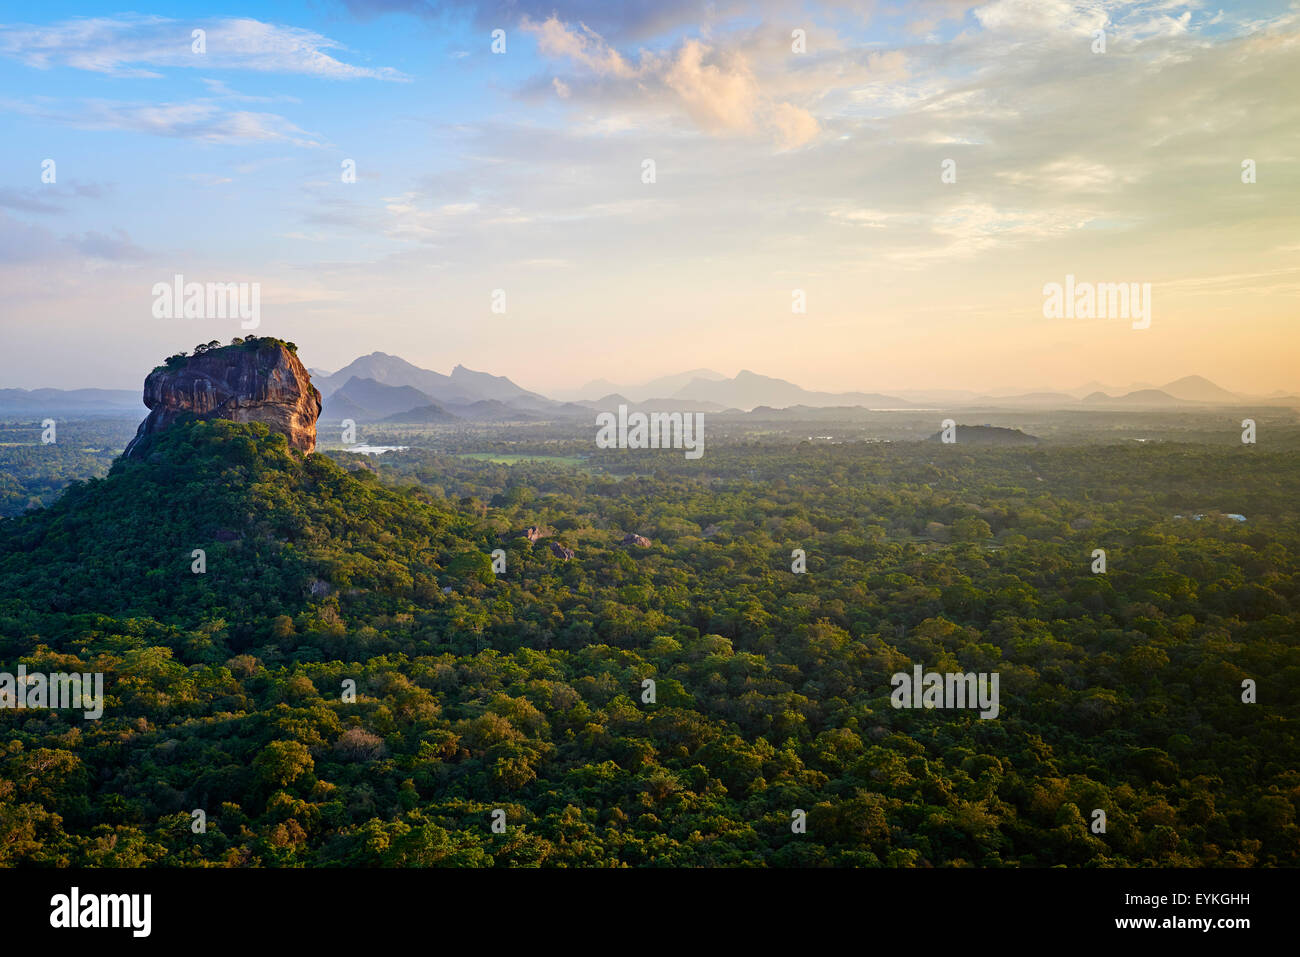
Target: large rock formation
[(258, 380)]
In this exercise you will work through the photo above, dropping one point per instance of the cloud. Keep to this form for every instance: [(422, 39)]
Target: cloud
[(217, 88), (583, 46), (720, 95), (625, 20), (23, 242), (28, 201), (115, 248), (198, 120), (208, 179), (716, 88), (130, 45), (1028, 17), (1069, 174), (1043, 170), (48, 198), (794, 126), (26, 243)]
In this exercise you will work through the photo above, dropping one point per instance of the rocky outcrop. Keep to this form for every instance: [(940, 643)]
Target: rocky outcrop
[(640, 541), (561, 552), (258, 380)]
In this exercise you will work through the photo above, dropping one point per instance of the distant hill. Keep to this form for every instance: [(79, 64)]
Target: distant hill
[(338, 407), (485, 386), (1048, 399), (610, 403), (386, 370), (594, 387), (422, 415), (1150, 398), (490, 410), (374, 400), (661, 386), (989, 435), (749, 389), (1191, 388), (1088, 388), (65, 401), (1195, 388), (462, 386), (671, 384)]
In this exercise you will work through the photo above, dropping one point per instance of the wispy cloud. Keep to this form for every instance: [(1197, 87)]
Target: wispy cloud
[(28, 243), (131, 45), (49, 198), (219, 89), (201, 120), (114, 247)]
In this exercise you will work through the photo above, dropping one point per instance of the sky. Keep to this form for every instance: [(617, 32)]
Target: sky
[(919, 172)]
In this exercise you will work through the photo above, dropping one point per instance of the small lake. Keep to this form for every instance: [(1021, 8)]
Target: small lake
[(377, 449)]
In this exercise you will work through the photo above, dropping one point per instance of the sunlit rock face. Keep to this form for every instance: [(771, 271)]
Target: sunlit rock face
[(258, 381)]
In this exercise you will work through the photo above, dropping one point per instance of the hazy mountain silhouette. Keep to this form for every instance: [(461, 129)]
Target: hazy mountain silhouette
[(704, 390), (422, 415), (64, 401), (375, 399), (749, 389), (1195, 388), (665, 385), (462, 386), (1142, 397), (485, 386)]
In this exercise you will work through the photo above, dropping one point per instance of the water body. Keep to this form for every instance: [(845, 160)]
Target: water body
[(378, 449)]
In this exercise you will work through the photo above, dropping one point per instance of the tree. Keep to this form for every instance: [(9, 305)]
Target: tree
[(281, 763), (971, 529)]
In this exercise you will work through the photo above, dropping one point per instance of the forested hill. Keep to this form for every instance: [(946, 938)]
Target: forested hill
[(525, 692), (271, 523)]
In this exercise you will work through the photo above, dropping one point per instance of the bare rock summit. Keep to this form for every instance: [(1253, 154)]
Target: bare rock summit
[(250, 380)]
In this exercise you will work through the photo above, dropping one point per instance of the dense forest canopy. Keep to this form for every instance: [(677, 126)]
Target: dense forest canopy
[(525, 691)]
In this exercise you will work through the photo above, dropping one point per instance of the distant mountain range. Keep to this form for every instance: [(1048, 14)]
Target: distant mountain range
[(380, 387), (1188, 392), (28, 402), (385, 388), (462, 386), (749, 389), (655, 388)]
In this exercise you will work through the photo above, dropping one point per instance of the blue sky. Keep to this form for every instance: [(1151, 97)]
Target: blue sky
[(775, 170)]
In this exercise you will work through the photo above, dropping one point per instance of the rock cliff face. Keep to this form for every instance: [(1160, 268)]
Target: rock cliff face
[(260, 380)]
